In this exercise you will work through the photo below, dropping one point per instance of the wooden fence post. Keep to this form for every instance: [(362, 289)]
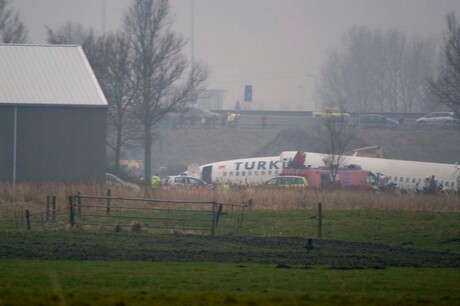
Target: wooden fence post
[(48, 204), (219, 211), (214, 219), (71, 211), (250, 204), (109, 194), (320, 219), (28, 219), (79, 204), (53, 208)]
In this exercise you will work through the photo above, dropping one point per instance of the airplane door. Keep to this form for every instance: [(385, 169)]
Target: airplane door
[(206, 174)]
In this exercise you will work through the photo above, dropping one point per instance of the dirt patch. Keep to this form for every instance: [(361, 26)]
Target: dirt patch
[(229, 249)]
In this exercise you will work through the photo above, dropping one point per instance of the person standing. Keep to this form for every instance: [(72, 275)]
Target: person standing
[(156, 181), (264, 121)]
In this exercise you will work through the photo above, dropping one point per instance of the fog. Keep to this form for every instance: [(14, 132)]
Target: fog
[(276, 46)]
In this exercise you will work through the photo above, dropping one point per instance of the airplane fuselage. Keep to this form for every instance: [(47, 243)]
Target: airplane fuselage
[(406, 174)]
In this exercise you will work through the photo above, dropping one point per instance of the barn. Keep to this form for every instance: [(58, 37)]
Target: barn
[(52, 115)]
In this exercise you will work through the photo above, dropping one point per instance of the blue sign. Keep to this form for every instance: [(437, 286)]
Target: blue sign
[(248, 93)]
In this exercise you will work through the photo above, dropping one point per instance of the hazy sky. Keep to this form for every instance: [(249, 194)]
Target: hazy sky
[(277, 46)]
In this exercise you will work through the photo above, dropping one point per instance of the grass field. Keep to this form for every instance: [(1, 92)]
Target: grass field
[(169, 283), (379, 250)]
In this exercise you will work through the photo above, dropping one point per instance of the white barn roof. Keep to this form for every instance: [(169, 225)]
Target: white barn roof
[(47, 74)]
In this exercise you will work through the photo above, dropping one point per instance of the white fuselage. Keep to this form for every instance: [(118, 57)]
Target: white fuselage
[(406, 174)]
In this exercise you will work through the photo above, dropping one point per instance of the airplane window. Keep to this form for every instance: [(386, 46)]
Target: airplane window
[(249, 173), (225, 173), (401, 179), (270, 172), (396, 179), (413, 180), (447, 184), (243, 173), (230, 173), (237, 173), (262, 172), (407, 180), (419, 181), (256, 172), (277, 172)]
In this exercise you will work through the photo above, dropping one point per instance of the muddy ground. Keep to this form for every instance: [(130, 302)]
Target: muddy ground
[(283, 251)]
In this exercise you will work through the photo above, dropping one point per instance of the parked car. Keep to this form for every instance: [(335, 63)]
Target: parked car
[(377, 121), (183, 180), (288, 181), (114, 181), (438, 117)]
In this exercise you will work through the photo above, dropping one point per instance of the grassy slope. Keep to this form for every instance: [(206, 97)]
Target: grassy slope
[(183, 147)]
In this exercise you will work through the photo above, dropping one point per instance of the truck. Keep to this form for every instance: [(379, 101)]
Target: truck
[(347, 176)]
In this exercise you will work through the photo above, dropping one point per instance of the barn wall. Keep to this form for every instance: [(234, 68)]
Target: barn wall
[(60, 143), (6, 143)]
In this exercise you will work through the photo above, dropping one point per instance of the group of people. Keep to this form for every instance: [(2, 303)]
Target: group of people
[(431, 186)]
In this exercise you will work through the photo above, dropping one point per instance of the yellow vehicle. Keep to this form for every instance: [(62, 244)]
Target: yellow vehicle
[(288, 181), (331, 112)]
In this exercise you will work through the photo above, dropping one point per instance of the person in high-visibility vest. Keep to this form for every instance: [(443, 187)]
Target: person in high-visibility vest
[(156, 181)]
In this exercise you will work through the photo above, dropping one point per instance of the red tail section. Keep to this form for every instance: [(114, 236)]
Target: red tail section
[(298, 161)]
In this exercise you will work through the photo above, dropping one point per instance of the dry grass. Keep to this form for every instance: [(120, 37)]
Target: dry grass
[(32, 196)]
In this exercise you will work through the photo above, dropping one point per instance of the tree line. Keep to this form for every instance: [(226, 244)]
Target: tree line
[(386, 71)]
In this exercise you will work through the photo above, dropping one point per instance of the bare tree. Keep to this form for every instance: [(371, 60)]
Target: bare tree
[(158, 68), (377, 72), (12, 30), (120, 92), (445, 88), (335, 133)]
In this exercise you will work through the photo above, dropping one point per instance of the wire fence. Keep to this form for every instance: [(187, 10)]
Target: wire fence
[(93, 213)]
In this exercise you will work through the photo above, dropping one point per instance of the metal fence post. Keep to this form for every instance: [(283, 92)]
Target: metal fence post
[(320, 219)]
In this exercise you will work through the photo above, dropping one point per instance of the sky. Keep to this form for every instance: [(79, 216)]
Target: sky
[(276, 46)]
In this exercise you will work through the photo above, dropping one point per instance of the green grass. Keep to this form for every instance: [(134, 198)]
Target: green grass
[(91, 282), (423, 230), (133, 283), (415, 229)]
